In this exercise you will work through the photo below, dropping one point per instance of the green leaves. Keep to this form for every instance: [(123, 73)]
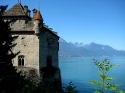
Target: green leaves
[(103, 66), (111, 86), (96, 82), (104, 83), (70, 88), (105, 77), (120, 91), (97, 91)]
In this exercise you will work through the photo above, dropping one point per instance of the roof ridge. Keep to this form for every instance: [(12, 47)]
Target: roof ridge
[(15, 10), (22, 8)]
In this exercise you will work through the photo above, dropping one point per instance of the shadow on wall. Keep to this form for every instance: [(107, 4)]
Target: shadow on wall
[(51, 80)]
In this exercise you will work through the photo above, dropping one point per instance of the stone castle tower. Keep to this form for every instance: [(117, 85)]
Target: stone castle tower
[(38, 44)]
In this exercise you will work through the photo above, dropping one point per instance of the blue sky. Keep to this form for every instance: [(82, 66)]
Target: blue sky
[(100, 21)]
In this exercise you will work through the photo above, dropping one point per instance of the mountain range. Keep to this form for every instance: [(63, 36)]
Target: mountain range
[(69, 49)]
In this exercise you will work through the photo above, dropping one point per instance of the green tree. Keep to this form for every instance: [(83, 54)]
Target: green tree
[(70, 88), (105, 85)]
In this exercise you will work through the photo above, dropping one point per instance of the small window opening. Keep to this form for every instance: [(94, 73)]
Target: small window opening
[(21, 60)]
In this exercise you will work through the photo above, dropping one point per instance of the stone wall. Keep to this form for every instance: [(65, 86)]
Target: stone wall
[(21, 25), (48, 47), (28, 45)]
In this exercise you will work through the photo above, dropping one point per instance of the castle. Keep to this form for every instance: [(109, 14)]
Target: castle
[(38, 44)]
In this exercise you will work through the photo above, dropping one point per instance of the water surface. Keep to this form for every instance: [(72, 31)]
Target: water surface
[(80, 70)]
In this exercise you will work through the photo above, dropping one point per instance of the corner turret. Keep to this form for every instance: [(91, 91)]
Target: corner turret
[(26, 10), (38, 21)]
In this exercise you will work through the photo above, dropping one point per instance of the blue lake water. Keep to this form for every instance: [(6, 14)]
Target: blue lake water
[(80, 70)]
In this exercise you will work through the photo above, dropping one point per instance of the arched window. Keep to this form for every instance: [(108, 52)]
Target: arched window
[(21, 60)]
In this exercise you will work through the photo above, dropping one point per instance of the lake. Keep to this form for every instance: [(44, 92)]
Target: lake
[(80, 70)]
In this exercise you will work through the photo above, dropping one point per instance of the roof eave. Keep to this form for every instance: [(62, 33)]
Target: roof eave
[(50, 31)]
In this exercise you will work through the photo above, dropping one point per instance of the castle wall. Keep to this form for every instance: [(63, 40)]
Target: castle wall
[(21, 25), (28, 45), (53, 48), (48, 47)]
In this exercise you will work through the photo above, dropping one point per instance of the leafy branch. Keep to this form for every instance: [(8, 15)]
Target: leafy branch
[(105, 86)]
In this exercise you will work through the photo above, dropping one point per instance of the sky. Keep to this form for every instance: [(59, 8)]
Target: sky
[(99, 21)]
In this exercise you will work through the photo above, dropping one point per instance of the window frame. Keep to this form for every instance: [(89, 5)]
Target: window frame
[(21, 60)]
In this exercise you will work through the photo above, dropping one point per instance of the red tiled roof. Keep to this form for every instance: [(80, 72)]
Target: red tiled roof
[(37, 16)]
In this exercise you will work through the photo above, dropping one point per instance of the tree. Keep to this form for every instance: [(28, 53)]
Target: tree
[(10, 80), (105, 85), (70, 88)]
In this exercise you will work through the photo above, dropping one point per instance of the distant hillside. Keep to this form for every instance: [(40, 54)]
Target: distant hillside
[(93, 49)]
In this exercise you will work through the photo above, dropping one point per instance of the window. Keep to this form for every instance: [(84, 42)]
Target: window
[(21, 60)]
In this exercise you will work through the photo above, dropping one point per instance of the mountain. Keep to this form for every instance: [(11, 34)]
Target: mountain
[(79, 49)]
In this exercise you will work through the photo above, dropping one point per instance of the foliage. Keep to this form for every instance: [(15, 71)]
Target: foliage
[(70, 88), (106, 87)]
